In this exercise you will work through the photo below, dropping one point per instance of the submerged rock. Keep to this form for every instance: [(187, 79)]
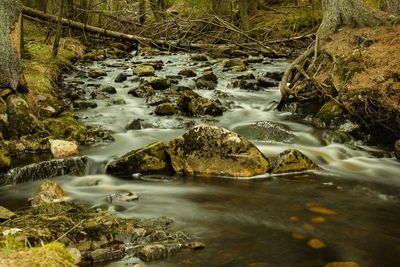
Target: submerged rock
[(266, 131), (97, 73), (193, 104), (159, 83), (48, 192), (266, 82), (135, 124), (84, 104), (187, 72), (144, 70), (121, 77), (293, 160), (209, 150), (62, 148), (147, 160), (44, 170)]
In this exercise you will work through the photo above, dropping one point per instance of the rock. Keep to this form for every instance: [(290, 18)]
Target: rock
[(93, 56), (107, 89), (209, 76), (293, 161), (6, 214), (230, 63), (331, 113), (121, 77), (148, 160), (63, 149), (144, 70), (119, 101), (246, 76), (159, 83), (165, 109), (121, 198), (397, 149), (266, 82), (208, 85), (48, 192), (194, 245), (187, 72), (316, 244), (275, 75), (84, 104), (239, 68), (248, 84), (266, 131), (76, 254), (198, 57), (97, 73), (193, 104), (252, 60), (143, 90), (342, 264), (45, 170), (238, 53), (46, 111), (157, 100), (221, 94), (106, 255), (20, 119), (153, 252), (5, 161), (134, 125), (209, 150)]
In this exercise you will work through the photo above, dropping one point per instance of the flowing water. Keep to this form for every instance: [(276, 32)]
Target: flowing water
[(265, 221)]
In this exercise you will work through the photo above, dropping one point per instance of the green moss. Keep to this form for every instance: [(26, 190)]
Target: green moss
[(293, 160), (5, 161), (346, 67), (64, 127), (330, 112)]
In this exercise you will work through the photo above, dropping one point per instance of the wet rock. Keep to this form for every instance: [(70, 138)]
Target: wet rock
[(63, 149), (6, 214), (217, 54), (106, 255), (46, 111), (147, 160), (107, 89), (157, 100), (209, 150), (239, 68), (330, 114), (238, 53), (397, 149), (44, 170), (209, 76), (266, 82), (121, 78), (159, 83), (208, 85), (248, 84), (221, 94), (143, 70), (136, 124), (76, 254), (118, 101), (193, 104), (316, 244), (84, 104), (342, 264), (293, 161), (246, 76), (154, 252), (187, 72), (20, 119), (97, 73), (266, 131), (198, 57), (121, 197), (165, 109), (94, 56), (143, 90), (230, 63), (48, 192), (252, 60), (275, 75), (195, 245), (5, 161)]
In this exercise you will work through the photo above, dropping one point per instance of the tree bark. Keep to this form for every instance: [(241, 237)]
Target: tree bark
[(244, 16), (57, 37), (142, 11), (390, 6), (10, 48), (221, 8)]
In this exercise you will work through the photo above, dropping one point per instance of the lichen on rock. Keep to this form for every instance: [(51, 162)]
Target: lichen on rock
[(293, 160)]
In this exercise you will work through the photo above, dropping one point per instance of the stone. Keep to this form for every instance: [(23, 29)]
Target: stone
[(193, 104), (106, 255), (275, 75), (331, 113), (119, 101), (143, 70), (316, 244), (116, 197), (207, 85), (5, 161), (242, 68), (194, 245), (84, 104), (157, 100), (246, 76), (209, 76), (135, 124), (249, 85), (153, 252), (213, 151), (397, 149), (148, 160), (6, 214), (63, 149), (187, 72), (107, 89), (252, 60), (266, 82), (20, 119), (165, 109), (238, 53), (97, 73), (143, 90), (76, 254), (266, 131), (121, 77), (230, 63), (159, 83), (320, 210), (48, 192), (293, 160), (342, 264), (198, 57)]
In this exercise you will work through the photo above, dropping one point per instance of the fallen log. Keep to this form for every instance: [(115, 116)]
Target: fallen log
[(129, 37)]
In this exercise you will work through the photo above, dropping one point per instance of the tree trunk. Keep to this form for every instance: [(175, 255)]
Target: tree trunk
[(390, 6), (221, 8), (57, 37), (156, 9), (354, 13), (142, 11), (244, 17), (10, 48)]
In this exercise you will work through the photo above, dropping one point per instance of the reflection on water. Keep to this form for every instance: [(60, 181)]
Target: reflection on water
[(255, 222)]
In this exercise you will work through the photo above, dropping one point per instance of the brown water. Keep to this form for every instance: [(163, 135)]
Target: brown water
[(246, 221)]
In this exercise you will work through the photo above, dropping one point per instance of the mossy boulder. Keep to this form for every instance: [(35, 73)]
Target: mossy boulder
[(208, 151), (94, 56), (144, 70), (5, 161), (254, 59), (331, 113), (159, 83), (20, 119), (143, 90), (198, 57), (165, 109), (207, 81), (147, 160), (192, 104), (97, 73), (187, 72), (293, 160), (266, 131), (64, 127), (235, 62)]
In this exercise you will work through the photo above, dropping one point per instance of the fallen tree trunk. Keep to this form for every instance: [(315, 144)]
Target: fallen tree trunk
[(130, 37)]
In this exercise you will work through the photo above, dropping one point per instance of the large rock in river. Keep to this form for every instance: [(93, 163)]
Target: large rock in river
[(208, 150), (293, 160), (148, 160)]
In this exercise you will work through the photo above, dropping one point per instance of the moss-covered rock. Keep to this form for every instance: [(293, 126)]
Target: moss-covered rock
[(64, 127), (147, 160), (208, 151), (293, 160), (5, 161), (159, 83), (187, 72), (331, 113), (397, 149), (143, 90), (165, 109), (94, 56), (192, 104), (266, 131), (198, 57), (96, 73), (230, 63), (143, 70)]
